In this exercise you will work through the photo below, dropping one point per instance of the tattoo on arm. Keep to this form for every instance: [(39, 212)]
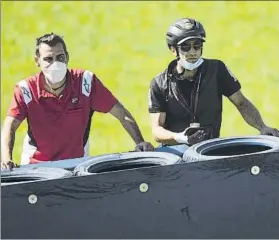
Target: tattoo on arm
[(131, 126), (250, 114), (11, 143), (128, 122), (8, 137)]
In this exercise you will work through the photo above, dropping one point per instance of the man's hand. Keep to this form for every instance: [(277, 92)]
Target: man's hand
[(144, 147), (269, 131), (196, 137), (181, 137), (7, 164), (10, 126), (190, 140), (130, 125)]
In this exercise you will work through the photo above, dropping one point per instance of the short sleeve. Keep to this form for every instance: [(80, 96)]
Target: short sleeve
[(156, 99), (102, 100), (18, 108), (228, 82)]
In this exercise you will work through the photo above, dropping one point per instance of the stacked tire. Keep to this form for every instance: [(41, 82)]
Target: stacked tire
[(124, 161), (231, 147), (32, 174)]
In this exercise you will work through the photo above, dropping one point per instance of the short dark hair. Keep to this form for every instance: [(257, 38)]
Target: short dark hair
[(50, 39)]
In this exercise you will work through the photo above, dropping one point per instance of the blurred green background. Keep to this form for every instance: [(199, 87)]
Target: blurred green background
[(124, 44)]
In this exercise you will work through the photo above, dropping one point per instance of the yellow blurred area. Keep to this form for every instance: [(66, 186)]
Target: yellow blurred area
[(124, 44)]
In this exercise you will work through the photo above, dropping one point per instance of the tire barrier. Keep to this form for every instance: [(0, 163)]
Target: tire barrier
[(123, 161), (31, 174), (221, 148)]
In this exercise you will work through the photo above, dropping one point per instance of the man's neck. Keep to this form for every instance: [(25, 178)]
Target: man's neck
[(57, 88), (187, 74)]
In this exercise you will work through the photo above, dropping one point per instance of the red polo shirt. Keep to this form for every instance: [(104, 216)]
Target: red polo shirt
[(58, 127)]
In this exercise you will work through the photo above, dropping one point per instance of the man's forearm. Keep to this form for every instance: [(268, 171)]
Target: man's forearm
[(164, 136), (7, 144), (251, 115), (130, 125)]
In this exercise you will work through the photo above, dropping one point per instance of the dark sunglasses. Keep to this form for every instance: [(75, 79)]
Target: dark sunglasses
[(186, 47)]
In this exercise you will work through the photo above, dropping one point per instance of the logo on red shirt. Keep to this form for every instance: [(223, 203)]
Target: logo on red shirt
[(74, 100)]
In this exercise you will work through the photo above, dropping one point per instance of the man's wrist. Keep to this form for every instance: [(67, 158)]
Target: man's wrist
[(181, 138), (261, 127), (175, 137), (138, 141), (6, 159)]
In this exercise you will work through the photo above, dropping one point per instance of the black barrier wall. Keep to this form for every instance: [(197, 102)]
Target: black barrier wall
[(215, 199)]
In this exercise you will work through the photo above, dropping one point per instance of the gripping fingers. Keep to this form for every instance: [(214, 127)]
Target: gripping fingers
[(198, 135), (275, 132), (8, 165), (5, 166), (202, 135)]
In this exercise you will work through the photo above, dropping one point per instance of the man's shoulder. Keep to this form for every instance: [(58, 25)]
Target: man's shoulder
[(26, 86), (159, 80), (162, 77), (80, 75), (214, 61), (31, 81), (221, 65), (77, 73)]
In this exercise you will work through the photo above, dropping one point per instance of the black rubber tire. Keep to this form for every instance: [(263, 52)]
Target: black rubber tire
[(31, 174), (99, 163), (200, 151)]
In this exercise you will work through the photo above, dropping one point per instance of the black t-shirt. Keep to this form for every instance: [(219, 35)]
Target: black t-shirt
[(186, 88), (228, 85)]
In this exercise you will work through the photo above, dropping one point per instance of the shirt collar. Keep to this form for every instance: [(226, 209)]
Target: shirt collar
[(172, 64), (41, 88)]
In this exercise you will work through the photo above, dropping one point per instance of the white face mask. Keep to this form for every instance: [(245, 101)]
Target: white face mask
[(56, 72), (191, 66)]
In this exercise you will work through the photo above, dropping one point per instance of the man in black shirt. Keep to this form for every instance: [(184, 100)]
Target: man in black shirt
[(189, 92)]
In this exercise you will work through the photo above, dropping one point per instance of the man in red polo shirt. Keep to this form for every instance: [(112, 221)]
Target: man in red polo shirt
[(58, 104)]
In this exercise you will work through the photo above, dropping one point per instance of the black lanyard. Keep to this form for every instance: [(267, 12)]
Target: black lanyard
[(197, 98), (179, 97)]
